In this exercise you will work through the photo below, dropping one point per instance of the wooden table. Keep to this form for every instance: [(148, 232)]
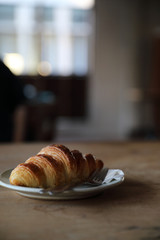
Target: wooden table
[(128, 211)]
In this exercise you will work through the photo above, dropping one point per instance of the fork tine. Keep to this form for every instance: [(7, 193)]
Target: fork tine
[(94, 174), (97, 177), (100, 177), (104, 172)]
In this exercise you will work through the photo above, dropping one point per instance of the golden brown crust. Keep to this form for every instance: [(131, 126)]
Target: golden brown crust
[(58, 167), (53, 166), (37, 171), (80, 164), (99, 164), (91, 163), (27, 174)]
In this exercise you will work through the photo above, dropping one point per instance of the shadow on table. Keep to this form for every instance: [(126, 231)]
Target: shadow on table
[(129, 192)]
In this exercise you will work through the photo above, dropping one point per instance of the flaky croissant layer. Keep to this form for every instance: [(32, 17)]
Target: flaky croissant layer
[(54, 166)]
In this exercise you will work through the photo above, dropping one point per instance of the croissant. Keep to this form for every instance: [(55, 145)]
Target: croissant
[(55, 166)]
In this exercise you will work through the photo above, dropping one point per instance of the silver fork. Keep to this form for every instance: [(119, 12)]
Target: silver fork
[(95, 179)]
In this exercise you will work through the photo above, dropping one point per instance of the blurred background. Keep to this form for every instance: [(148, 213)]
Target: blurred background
[(79, 70)]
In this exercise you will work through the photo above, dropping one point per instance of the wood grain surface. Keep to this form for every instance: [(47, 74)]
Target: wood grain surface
[(129, 211)]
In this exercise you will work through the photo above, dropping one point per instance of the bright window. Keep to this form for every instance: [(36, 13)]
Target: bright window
[(52, 36)]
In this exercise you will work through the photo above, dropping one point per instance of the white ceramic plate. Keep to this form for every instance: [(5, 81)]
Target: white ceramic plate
[(113, 178)]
